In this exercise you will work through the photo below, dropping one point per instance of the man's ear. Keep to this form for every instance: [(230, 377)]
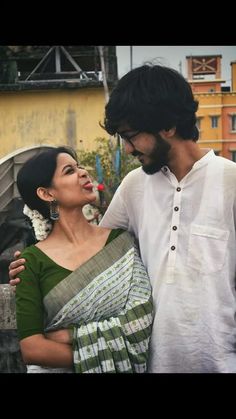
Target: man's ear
[(167, 133), (44, 194)]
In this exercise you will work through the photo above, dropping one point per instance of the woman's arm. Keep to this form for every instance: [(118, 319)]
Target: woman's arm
[(61, 336), (39, 350), (52, 350)]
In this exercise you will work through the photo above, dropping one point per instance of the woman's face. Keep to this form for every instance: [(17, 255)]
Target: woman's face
[(71, 184)]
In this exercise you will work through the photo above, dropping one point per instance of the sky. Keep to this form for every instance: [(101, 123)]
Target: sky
[(174, 56)]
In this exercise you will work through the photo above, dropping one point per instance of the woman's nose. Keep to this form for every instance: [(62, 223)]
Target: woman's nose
[(82, 172)]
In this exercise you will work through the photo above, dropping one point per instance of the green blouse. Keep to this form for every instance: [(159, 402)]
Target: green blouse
[(40, 276)]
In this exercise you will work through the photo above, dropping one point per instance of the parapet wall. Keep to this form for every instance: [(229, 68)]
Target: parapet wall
[(10, 355)]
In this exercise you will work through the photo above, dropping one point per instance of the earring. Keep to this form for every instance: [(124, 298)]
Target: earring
[(54, 211)]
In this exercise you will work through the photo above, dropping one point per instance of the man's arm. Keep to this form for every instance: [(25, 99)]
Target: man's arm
[(116, 215)]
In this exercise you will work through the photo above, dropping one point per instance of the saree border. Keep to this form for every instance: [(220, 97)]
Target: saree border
[(75, 282)]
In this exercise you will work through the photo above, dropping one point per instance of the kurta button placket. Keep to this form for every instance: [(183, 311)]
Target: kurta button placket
[(174, 233)]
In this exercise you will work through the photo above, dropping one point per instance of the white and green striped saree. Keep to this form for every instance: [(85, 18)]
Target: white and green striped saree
[(108, 303)]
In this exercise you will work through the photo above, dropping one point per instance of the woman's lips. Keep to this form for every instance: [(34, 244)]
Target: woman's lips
[(88, 186)]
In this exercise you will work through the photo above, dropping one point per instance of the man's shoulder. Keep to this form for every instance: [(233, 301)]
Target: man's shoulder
[(225, 161), (228, 164), (134, 176), (135, 172)]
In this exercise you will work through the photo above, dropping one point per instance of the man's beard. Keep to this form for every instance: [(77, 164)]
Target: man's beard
[(159, 156)]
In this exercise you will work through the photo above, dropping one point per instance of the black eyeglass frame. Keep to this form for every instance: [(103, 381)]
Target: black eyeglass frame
[(129, 137)]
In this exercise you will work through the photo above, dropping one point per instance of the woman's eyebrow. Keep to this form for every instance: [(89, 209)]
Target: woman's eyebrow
[(68, 165)]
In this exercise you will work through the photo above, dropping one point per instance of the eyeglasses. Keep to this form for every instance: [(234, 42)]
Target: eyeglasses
[(127, 137)]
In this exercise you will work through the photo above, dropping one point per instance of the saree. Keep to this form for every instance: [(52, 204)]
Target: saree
[(107, 302)]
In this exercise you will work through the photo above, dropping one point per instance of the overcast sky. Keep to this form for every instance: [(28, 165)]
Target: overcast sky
[(174, 56)]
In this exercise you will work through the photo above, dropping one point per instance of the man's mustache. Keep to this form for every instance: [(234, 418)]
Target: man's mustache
[(136, 153)]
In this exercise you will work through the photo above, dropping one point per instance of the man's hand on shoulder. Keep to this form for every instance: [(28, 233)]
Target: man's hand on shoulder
[(15, 267)]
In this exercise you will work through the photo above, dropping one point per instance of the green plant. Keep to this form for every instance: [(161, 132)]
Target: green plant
[(111, 175)]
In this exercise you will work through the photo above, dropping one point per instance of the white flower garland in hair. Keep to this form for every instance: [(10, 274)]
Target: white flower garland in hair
[(42, 226)]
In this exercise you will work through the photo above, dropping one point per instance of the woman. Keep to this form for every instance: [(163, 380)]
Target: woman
[(84, 300)]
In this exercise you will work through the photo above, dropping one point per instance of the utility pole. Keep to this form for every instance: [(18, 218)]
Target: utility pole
[(104, 72), (180, 67), (131, 58)]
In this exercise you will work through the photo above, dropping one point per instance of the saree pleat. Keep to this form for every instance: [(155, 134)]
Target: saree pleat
[(108, 303)]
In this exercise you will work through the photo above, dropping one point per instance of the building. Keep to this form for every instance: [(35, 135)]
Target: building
[(216, 116), (53, 95), (49, 96)]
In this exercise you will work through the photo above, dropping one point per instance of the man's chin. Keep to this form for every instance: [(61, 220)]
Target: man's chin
[(150, 169)]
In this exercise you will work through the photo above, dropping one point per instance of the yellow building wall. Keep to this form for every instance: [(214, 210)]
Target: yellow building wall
[(222, 105), (229, 108), (210, 105), (51, 117)]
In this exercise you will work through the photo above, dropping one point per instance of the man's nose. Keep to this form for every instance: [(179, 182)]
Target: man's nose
[(129, 148)]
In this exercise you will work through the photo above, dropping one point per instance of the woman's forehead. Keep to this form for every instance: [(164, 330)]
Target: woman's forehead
[(65, 158)]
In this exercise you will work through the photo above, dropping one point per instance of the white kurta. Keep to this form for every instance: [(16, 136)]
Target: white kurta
[(186, 232)]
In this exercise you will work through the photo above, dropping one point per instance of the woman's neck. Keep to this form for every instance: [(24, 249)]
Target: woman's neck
[(72, 227)]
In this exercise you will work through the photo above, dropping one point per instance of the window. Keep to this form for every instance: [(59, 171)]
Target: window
[(214, 121), (198, 123), (233, 155), (233, 126)]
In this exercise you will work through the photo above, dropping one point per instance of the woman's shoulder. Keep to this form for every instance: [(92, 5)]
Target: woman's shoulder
[(115, 232), (33, 256), (28, 251), (31, 262)]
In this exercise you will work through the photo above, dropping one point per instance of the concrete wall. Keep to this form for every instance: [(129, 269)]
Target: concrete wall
[(55, 117), (10, 355)]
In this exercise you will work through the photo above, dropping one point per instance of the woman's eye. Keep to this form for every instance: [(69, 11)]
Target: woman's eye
[(70, 171)]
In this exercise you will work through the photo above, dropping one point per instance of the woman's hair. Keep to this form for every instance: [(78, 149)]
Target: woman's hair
[(39, 171), (151, 98)]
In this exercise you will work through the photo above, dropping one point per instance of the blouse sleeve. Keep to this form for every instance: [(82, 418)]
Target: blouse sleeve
[(29, 302)]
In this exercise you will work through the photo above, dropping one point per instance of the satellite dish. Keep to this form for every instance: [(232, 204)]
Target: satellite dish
[(15, 232), (9, 167)]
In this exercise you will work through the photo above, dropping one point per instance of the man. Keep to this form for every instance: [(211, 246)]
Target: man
[(181, 206)]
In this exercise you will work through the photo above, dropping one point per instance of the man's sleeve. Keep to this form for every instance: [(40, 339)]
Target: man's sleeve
[(116, 216)]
